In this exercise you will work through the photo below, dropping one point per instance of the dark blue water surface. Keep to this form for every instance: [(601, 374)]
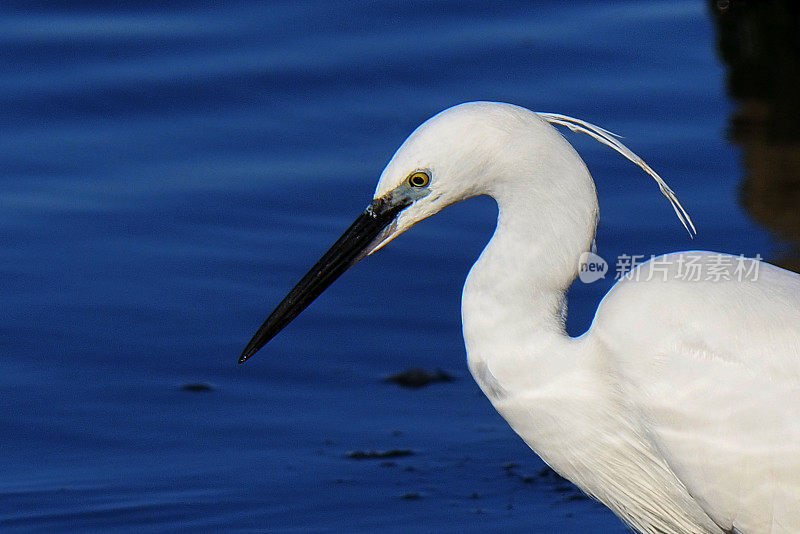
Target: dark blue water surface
[(167, 172)]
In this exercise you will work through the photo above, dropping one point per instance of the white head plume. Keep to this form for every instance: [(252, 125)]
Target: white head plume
[(612, 140)]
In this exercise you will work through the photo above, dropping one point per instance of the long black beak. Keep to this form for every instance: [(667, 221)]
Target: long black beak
[(346, 252)]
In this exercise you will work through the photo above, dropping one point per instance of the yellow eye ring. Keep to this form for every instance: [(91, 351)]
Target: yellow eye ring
[(418, 179)]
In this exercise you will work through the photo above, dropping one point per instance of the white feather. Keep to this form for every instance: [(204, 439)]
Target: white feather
[(611, 139)]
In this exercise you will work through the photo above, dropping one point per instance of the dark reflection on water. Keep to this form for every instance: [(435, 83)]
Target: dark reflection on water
[(759, 41)]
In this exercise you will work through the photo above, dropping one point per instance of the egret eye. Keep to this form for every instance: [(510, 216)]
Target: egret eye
[(418, 179)]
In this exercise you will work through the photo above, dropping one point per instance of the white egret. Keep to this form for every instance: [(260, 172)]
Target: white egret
[(679, 409)]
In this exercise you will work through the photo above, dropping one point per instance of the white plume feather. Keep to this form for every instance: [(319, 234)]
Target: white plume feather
[(612, 140)]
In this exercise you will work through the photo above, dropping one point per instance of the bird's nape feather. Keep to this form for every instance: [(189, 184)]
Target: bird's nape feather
[(611, 139)]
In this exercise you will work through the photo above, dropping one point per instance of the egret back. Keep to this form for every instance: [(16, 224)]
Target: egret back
[(710, 366)]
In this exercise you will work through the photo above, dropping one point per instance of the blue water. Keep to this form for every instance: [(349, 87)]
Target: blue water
[(167, 173)]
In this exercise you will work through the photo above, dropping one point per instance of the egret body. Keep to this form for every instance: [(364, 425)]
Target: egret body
[(679, 409)]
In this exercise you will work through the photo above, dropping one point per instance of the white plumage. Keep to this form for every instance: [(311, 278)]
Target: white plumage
[(680, 408)]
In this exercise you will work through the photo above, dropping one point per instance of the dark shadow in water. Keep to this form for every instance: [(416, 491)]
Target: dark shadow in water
[(759, 42)]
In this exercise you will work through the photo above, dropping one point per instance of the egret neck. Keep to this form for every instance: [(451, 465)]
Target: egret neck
[(514, 300)]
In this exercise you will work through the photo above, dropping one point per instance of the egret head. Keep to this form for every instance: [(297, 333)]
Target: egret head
[(470, 149), (464, 151), (440, 163)]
